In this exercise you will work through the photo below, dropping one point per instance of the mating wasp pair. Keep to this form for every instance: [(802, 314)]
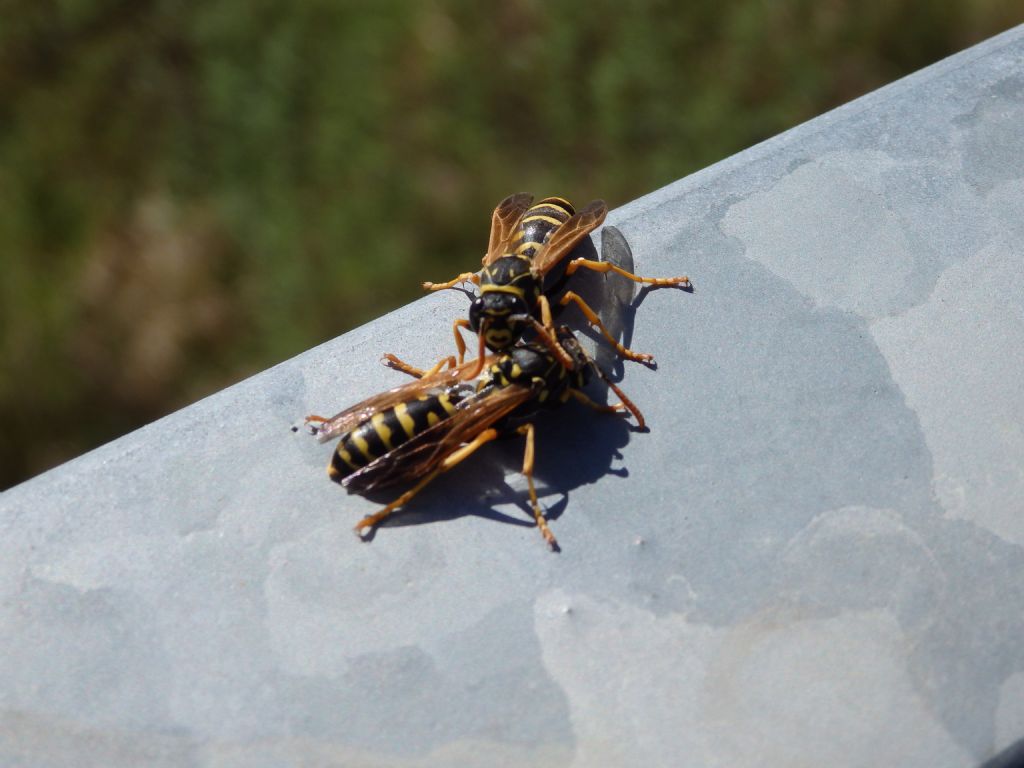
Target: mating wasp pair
[(415, 432)]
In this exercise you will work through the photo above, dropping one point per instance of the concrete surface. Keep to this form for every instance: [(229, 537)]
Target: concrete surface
[(814, 557)]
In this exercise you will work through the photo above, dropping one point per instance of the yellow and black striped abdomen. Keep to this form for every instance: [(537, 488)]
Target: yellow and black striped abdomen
[(388, 429), (538, 223)]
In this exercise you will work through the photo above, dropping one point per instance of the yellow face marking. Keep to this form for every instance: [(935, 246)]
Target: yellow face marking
[(498, 338), (382, 429), (402, 412), (516, 371), (503, 289), (363, 446)]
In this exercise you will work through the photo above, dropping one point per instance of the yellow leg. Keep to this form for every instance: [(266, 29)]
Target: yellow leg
[(475, 370), (576, 394), (556, 349), (449, 361), (370, 521), (310, 421), (538, 515), (392, 361), (628, 404), (545, 329), (460, 343), (592, 318), (471, 277), (313, 423), (605, 266), (545, 314), (624, 404)]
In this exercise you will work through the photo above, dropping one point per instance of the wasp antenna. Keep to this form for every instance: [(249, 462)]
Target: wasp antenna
[(476, 370)]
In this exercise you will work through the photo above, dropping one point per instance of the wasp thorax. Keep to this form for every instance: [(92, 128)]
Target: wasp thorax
[(526, 364)]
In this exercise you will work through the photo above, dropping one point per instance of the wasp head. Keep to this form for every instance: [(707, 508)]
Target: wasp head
[(502, 318)]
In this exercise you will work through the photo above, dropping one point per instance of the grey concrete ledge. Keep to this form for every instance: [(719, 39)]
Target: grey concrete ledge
[(814, 557)]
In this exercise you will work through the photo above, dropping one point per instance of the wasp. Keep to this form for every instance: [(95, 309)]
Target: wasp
[(415, 432), (527, 242)]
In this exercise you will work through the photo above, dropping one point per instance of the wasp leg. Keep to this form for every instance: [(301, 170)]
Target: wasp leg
[(396, 363), (625, 402), (309, 423), (605, 266), (553, 346), (475, 370), (545, 329), (576, 394), (545, 314), (528, 455), (592, 318), (471, 277), (371, 521), (460, 343)]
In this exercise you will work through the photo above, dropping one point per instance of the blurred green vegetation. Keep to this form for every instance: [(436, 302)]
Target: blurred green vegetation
[(192, 192)]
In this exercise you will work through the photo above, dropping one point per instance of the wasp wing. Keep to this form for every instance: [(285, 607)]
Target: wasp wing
[(504, 220), (568, 236), (346, 420), (425, 452)]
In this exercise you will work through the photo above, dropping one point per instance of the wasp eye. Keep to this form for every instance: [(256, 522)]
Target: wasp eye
[(475, 310)]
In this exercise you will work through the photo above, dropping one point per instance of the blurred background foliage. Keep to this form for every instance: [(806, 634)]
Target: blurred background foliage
[(190, 192)]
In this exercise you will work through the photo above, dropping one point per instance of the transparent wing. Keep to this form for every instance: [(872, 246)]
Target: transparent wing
[(504, 221), (345, 420), (617, 295), (568, 236), (427, 450)]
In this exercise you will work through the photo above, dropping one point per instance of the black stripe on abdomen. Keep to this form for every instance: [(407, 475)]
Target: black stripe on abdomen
[(385, 431)]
